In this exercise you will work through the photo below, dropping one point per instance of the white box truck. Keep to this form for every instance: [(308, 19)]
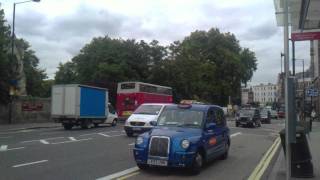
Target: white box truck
[(81, 105)]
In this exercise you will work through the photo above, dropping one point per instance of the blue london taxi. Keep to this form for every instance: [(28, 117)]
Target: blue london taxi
[(185, 135)]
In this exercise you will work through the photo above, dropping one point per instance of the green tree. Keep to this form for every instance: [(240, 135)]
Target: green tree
[(34, 74), (66, 73), (46, 88), (207, 66), (4, 59)]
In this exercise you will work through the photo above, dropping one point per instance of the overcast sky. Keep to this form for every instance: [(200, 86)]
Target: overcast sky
[(58, 29)]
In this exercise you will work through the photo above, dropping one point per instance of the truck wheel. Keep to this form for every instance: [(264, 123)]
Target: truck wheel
[(142, 166), (114, 122), (67, 126), (197, 164), (84, 124)]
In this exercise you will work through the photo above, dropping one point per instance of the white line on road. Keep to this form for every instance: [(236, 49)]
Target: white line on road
[(72, 141), (131, 144), (105, 135), (88, 134), (44, 141), (118, 135), (3, 147), (119, 174), (30, 163), (235, 134), (15, 148), (5, 137)]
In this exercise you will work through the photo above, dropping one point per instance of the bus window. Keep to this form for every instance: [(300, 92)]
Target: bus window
[(148, 88), (128, 86)]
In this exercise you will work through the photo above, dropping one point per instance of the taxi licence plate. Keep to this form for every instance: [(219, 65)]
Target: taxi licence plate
[(136, 129), (157, 162)]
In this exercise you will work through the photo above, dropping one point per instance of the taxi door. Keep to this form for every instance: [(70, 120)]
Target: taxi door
[(212, 135)]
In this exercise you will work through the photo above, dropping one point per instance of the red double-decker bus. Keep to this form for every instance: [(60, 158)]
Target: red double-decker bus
[(131, 95)]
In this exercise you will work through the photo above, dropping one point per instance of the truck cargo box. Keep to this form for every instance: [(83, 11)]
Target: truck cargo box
[(79, 101)]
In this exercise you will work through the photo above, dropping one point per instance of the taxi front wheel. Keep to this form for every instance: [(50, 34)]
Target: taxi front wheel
[(197, 164), (142, 166)]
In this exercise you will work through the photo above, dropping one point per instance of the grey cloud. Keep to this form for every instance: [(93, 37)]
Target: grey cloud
[(261, 31), (30, 23), (86, 21)]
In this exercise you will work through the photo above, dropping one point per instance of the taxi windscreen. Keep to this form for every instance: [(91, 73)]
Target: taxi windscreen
[(181, 118), (148, 109)]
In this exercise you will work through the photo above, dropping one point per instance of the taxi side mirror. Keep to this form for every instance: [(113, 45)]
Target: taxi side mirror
[(153, 123), (210, 126)]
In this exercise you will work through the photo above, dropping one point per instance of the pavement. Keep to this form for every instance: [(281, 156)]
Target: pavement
[(104, 152), (278, 171), (25, 126)]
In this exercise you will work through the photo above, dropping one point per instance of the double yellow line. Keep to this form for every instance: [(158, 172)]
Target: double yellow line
[(265, 161)]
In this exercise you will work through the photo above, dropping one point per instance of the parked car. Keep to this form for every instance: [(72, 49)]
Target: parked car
[(139, 120), (281, 113), (274, 114), (265, 116), (248, 117), (186, 136)]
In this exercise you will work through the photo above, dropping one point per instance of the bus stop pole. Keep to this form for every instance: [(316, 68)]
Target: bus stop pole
[(286, 70)]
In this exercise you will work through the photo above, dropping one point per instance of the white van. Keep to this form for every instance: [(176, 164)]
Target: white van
[(139, 120)]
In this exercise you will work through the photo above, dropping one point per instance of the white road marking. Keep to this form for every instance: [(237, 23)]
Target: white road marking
[(44, 141), (118, 135), (131, 144), (15, 148), (119, 174), (41, 139), (5, 137), (30, 163), (17, 132), (235, 134), (3, 147), (105, 135), (112, 131), (72, 141), (88, 134)]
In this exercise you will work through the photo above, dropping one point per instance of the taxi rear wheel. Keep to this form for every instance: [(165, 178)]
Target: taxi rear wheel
[(226, 153), (197, 164)]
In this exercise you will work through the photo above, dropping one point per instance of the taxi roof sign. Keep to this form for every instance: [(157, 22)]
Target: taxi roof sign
[(187, 101)]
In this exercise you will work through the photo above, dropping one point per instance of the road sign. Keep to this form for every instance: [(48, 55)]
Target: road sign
[(312, 92)]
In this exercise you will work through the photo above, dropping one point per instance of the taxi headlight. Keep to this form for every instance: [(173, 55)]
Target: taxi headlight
[(185, 144), (139, 140)]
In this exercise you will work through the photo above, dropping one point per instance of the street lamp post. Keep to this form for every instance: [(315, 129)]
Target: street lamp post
[(12, 50), (13, 22)]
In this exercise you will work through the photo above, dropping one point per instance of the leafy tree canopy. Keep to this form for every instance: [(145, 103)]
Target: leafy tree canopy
[(206, 65)]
